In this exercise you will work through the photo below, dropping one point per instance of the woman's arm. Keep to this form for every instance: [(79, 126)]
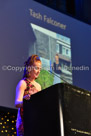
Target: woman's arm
[(20, 93)]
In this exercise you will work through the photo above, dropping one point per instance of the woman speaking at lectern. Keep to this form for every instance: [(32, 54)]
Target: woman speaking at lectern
[(26, 87)]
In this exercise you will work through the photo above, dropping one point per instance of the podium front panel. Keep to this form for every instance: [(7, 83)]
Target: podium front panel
[(43, 112)]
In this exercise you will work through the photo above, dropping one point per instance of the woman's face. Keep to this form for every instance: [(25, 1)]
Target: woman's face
[(35, 69), (56, 58)]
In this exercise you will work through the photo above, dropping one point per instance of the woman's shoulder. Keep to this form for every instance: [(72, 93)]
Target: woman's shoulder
[(22, 83)]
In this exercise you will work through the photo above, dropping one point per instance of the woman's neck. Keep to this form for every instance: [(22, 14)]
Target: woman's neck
[(31, 79)]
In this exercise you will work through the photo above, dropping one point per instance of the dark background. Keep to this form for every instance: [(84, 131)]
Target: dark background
[(79, 9)]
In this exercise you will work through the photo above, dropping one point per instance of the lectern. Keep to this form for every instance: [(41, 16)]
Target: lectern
[(59, 110)]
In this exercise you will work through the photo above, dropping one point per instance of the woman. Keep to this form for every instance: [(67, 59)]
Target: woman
[(57, 70), (26, 87)]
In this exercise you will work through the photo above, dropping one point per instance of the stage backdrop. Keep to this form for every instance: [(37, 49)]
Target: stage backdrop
[(26, 28)]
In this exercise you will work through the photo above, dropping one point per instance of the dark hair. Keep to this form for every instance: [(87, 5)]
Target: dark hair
[(30, 61), (57, 55)]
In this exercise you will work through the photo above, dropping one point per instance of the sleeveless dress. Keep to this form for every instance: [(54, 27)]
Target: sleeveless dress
[(19, 121)]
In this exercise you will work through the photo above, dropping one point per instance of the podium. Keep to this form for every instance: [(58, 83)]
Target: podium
[(60, 110)]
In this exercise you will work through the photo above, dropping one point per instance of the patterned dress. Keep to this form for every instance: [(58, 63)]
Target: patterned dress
[(19, 122)]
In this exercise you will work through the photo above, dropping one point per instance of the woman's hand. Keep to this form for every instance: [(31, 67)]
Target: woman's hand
[(31, 92), (27, 97)]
